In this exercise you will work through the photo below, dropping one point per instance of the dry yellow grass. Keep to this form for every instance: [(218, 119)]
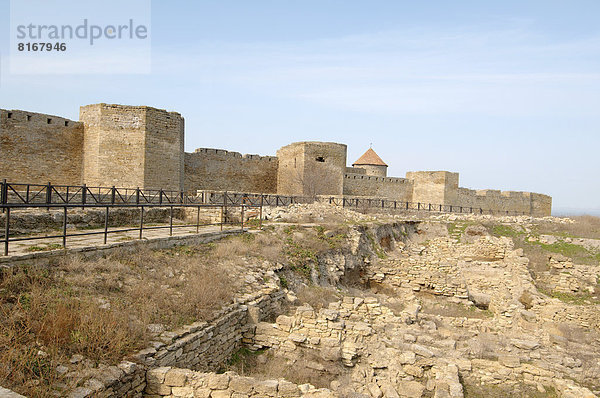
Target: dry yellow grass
[(317, 297), (100, 309)]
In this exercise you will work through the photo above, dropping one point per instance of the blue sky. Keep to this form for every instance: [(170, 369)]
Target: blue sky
[(507, 92)]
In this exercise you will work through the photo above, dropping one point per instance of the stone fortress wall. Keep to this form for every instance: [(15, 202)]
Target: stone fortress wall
[(140, 146), (46, 147), (218, 169)]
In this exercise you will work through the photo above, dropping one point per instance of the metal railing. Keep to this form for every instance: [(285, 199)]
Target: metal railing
[(64, 197), (16, 193), (84, 195), (370, 203), (246, 212)]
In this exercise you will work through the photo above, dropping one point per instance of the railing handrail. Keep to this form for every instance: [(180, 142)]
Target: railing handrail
[(86, 196)]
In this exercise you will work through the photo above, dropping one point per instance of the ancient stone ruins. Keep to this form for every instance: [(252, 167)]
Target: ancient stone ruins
[(139, 146), (330, 303)]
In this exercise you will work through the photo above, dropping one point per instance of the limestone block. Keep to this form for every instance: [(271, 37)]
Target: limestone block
[(407, 357), (374, 390), (176, 377), (287, 389), (413, 370), (182, 392), (388, 390), (202, 393), (266, 388), (525, 344), (157, 375), (220, 394), (422, 351), (510, 361), (241, 384), (160, 389), (411, 389)]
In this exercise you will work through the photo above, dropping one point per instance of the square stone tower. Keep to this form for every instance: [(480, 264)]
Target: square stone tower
[(311, 168), (436, 187), (132, 146)]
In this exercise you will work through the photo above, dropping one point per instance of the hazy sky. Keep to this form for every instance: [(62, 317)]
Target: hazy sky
[(505, 92)]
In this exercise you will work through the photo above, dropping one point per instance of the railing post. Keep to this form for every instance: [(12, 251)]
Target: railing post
[(418, 205), (137, 196), (395, 204), (198, 220), (112, 194), (160, 195), (83, 195), (171, 221), (48, 195), (242, 215), (106, 224), (222, 215), (64, 237), (4, 193), (429, 207), (6, 230), (406, 205), (224, 212), (141, 221), (260, 212), (383, 203)]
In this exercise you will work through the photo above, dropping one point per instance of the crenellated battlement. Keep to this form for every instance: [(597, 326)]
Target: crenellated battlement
[(225, 153), (25, 118), (393, 180)]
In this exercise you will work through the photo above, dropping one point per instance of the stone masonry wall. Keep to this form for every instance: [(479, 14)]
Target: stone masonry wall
[(432, 186), (399, 189), (178, 383), (217, 169), (441, 187), (164, 158), (37, 148), (201, 346)]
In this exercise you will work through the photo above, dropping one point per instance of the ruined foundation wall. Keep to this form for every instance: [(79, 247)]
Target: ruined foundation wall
[(220, 170), (37, 148)]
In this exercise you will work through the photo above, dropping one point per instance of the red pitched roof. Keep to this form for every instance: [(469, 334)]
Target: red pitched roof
[(369, 158)]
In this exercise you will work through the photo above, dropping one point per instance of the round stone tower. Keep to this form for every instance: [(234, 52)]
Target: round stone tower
[(372, 164)]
